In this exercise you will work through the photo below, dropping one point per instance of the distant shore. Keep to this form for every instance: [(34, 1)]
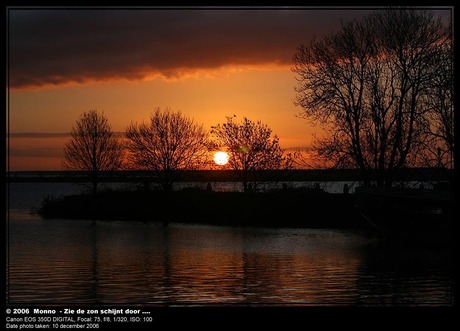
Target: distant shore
[(322, 175), (292, 208)]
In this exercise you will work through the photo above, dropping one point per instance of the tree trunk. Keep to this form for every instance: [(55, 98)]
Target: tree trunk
[(167, 186), (245, 186), (94, 183), (366, 177)]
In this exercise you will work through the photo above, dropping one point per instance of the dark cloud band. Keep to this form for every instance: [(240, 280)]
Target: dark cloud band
[(60, 46), (38, 135), (75, 46)]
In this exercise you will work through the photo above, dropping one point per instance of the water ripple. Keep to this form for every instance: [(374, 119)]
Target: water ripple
[(58, 261)]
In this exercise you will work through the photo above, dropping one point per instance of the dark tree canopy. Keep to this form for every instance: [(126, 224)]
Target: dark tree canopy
[(367, 84), (169, 142), (93, 147), (440, 105), (250, 147)]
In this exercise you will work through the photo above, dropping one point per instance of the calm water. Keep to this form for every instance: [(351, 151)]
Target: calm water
[(63, 261)]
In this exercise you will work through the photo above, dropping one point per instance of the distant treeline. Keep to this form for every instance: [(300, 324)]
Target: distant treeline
[(314, 175)]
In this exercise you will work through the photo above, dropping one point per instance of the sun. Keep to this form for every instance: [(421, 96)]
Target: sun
[(221, 158)]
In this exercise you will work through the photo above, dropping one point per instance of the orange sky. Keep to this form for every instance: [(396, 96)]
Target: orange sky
[(208, 64), (258, 94)]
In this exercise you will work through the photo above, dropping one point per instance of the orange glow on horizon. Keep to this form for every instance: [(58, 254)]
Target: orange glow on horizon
[(176, 75), (264, 93)]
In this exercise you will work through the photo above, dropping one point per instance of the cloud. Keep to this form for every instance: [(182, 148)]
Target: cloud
[(39, 152), (42, 135), (38, 135), (67, 46)]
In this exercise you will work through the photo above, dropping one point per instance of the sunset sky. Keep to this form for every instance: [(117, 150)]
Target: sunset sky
[(207, 63)]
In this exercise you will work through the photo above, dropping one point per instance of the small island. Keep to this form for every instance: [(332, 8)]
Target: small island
[(310, 208)]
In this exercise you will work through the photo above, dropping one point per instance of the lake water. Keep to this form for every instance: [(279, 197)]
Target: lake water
[(106, 262)]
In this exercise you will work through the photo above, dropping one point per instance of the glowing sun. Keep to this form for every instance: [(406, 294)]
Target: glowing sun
[(221, 158)]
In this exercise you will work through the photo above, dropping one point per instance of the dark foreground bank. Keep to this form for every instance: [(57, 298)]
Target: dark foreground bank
[(274, 209)]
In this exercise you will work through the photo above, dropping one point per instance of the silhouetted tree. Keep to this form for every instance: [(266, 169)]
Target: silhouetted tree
[(440, 102), (169, 142), (366, 84), (250, 148), (93, 147)]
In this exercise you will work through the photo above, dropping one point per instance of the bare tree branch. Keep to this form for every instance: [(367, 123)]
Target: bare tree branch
[(168, 143), (93, 147), (369, 84), (251, 148)]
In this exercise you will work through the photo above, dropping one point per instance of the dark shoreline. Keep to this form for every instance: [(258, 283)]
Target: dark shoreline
[(297, 175), (304, 209)]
